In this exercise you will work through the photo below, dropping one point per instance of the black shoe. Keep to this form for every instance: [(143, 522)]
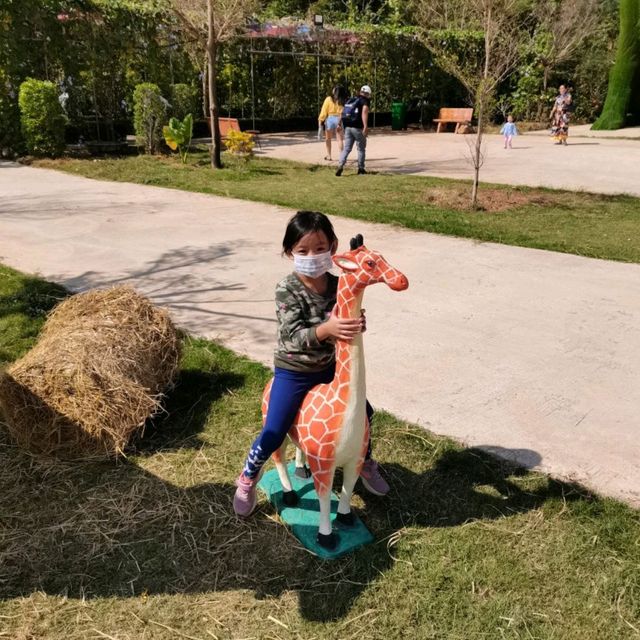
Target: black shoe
[(339, 171), (362, 172)]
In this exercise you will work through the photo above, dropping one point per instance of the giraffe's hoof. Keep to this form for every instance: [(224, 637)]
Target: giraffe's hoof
[(290, 498), (347, 519), (303, 472), (329, 541)]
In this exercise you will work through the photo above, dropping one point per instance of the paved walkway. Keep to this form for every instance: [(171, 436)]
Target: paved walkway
[(533, 354), (595, 163)]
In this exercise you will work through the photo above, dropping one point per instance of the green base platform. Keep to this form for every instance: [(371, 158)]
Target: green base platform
[(304, 518)]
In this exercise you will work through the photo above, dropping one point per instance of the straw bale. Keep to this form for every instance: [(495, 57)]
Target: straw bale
[(98, 371)]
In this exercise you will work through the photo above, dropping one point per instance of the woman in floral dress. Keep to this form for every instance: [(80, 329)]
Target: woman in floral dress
[(560, 116)]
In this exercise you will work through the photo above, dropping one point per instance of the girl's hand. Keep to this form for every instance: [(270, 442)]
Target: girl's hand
[(363, 319), (339, 328)]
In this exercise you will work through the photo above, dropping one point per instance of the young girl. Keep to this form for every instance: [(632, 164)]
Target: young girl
[(508, 131), (305, 353), (330, 117)]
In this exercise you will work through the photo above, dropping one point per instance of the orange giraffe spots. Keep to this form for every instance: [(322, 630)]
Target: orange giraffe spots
[(331, 427)]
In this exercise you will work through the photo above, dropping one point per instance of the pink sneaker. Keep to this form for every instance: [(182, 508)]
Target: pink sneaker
[(245, 498), (372, 480)]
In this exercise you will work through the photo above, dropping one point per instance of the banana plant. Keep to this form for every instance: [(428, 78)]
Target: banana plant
[(178, 135)]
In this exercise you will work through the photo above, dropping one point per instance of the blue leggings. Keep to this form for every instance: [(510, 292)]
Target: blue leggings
[(287, 393)]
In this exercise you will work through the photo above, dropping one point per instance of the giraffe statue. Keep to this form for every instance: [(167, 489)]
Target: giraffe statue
[(331, 427)]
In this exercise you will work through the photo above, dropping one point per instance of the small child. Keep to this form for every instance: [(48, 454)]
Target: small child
[(509, 130), (305, 353)]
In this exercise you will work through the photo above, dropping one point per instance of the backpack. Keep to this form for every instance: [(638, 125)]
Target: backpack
[(351, 111)]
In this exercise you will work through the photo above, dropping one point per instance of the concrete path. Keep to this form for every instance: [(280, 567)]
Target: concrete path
[(597, 164), (533, 354)]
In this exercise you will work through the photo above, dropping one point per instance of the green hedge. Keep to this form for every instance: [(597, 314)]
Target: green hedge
[(42, 118)]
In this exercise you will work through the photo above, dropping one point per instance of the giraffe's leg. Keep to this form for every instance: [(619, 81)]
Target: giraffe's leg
[(289, 496), (350, 474), (302, 471), (323, 480), (326, 537)]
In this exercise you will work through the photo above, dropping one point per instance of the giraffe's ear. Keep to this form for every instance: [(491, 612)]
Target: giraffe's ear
[(345, 263)]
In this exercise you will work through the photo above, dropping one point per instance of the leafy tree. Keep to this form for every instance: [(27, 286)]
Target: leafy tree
[(184, 100), (479, 42), (562, 26), (223, 19), (11, 142)]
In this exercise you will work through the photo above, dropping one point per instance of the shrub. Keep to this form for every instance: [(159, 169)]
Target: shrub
[(149, 114), (41, 118), (184, 100), (240, 143), (178, 135)]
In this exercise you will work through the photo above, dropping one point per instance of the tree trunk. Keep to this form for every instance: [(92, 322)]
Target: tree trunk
[(625, 68), (477, 155), (480, 99), (205, 88), (212, 54), (542, 105)]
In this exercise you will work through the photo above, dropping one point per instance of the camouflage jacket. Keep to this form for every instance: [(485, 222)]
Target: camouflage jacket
[(299, 311)]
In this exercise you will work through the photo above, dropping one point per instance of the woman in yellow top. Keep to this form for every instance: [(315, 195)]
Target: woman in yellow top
[(330, 118)]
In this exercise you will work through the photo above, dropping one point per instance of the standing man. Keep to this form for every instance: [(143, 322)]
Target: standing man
[(355, 117)]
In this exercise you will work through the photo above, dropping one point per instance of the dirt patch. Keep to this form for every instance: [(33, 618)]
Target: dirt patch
[(490, 200)]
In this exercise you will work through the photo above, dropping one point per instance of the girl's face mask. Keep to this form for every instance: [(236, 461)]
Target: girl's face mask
[(312, 266)]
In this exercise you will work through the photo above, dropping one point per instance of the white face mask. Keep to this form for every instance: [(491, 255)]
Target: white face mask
[(313, 266)]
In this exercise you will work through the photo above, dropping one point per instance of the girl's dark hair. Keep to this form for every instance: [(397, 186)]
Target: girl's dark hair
[(339, 94), (304, 222)]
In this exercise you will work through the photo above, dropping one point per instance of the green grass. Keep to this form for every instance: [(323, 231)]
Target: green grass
[(585, 224), (466, 546)]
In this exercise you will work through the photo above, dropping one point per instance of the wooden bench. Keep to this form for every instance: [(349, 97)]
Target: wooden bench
[(232, 124), (458, 115)]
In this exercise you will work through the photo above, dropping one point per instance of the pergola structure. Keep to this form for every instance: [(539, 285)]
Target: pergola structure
[(311, 38)]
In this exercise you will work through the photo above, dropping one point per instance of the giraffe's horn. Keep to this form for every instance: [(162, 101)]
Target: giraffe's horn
[(356, 242)]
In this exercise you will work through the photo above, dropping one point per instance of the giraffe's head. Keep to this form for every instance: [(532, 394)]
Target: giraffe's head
[(364, 267)]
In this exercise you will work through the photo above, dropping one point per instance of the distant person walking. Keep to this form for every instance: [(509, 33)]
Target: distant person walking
[(560, 116), (330, 118), (509, 130), (355, 120)]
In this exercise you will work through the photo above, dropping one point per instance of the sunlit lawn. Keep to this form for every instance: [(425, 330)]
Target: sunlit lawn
[(466, 546)]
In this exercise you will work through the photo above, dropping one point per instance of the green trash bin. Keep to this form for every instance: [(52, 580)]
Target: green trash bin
[(398, 116)]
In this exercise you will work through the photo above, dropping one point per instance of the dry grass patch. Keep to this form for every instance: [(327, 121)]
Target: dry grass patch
[(490, 200)]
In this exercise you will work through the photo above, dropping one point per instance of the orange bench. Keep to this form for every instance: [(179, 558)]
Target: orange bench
[(458, 115), (232, 124)]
